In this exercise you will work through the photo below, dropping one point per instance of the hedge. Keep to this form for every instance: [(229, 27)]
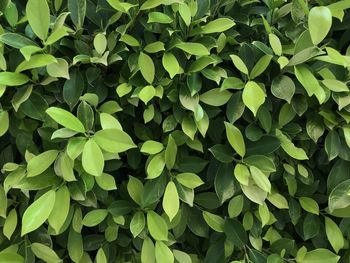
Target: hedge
[(161, 131)]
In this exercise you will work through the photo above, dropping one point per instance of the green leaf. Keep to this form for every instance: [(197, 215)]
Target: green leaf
[(158, 17), (92, 158), (60, 210), (275, 43), (94, 217), (319, 22), (130, 40), (253, 96), (147, 93), (254, 193), (114, 140), (171, 202), (217, 26), (309, 205), (59, 69), (38, 164), (242, 174), (148, 251), (235, 138), (152, 147), (320, 255), (189, 180), (195, 49), (260, 179), (283, 88), (100, 256), (16, 40), (163, 253), (239, 64), (66, 119), (334, 234), (13, 79), (106, 182), (156, 166), (335, 85), (36, 61), (170, 153), (150, 4), (37, 213), (135, 189), (45, 253), (215, 97), (10, 224), (157, 227), (146, 65), (77, 9), (339, 197), (260, 66), (170, 64), (214, 221), (100, 43), (182, 256), (137, 223), (38, 15), (288, 146), (11, 257), (332, 145), (154, 47), (235, 232), (4, 122), (235, 206)]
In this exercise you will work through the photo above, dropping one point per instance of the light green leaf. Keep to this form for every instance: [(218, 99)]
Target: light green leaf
[(189, 180), (13, 79), (94, 217), (129, 40), (253, 96), (214, 221), (235, 138), (38, 164), (59, 69), (283, 88), (275, 43), (239, 64), (185, 13), (60, 210), (155, 166), (215, 97), (37, 213), (242, 174), (4, 122), (288, 146), (92, 158), (260, 179), (157, 226), (217, 26), (135, 189), (153, 47), (334, 234), (196, 49), (260, 66), (309, 82), (114, 140), (158, 17), (181, 256), (151, 4), (137, 223), (320, 255), (152, 147), (254, 193), (100, 256), (170, 153), (170, 64), (106, 182), (100, 43), (320, 22), (146, 67), (77, 9), (147, 93), (147, 251), (56, 35), (171, 202), (16, 40), (309, 205), (66, 119), (163, 253), (36, 61), (10, 224), (335, 85), (38, 15), (45, 253)]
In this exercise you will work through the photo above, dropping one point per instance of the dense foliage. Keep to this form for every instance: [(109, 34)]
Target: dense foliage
[(174, 131)]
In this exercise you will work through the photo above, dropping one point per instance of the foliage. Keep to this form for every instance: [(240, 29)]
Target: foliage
[(174, 131)]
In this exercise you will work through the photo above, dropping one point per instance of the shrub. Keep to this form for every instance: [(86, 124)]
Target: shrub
[(174, 131)]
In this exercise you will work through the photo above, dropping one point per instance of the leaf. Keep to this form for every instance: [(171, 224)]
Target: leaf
[(215, 97), (147, 93), (146, 65), (235, 232), (332, 145), (150, 4), (10, 224), (235, 138), (156, 166), (73, 88), (38, 164), (13, 79), (36, 61), (45, 253), (114, 140), (214, 221), (189, 180), (260, 179), (290, 148), (148, 251), (38, 15), (163, 253), (106, 182), (260, 66), (60, 210), (239, 64), (157, 227), (334, 234), (77, 9), (283, 88), (100, 43), (135, 189), (59, 69), (253, 96), (170, 153), (37, 213), (309, 204), (158, 17), (320, 255), (66, 119), (217, 26), (92, 158), (137, 223), (16, 40), (254, 193), (275, 43), (4, 122), (171, 202), (94, 217), (152, 147), (195, 49), (335, 85), (170, 64), (339, 197), (319, 22)]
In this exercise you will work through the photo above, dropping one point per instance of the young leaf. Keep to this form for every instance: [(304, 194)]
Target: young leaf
[(147, 93), (10, 224), (41, 162), (260, 179), (137, 223), (196, 49), (189, 180), (309, 204), (4, 122), (45, 253), (260, 66), (114, 140), (253, 96), (163, 253), (13, 79), (235, 138), (217, 26), (66, 119), (171, 202), (152, 147), (94, 217), (170, 153), (148, 251), (157, 227), (146, 67), (37, 213), (170, 64), (214, 221), (155, 166), (238, 62), (60, 210), (320, 22), (92, 158), (38, 15), (275, 43), (334, 234)]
